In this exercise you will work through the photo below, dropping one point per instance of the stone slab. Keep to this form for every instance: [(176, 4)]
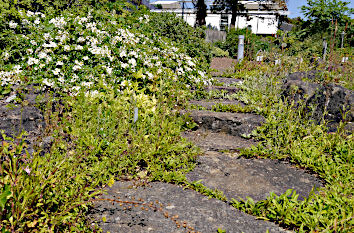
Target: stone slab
[(208, 104), (211, 141), (236, 124), (170, 208), (228, 89), (228, 81), (255, 178)]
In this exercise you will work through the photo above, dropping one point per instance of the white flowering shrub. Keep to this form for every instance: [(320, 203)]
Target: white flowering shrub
[(71, 52), (116, 84)]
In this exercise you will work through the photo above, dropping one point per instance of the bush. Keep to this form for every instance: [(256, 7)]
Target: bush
[(173, 27), (104, 69), (70, 52), (287, 135), (218, 52), (253, 43)]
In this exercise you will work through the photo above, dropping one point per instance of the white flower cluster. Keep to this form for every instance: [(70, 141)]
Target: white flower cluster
[(10, 77), (13, 25), (144, 19), (58, 22), (93, 53)]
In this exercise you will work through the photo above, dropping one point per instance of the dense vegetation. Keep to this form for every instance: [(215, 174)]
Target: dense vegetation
[(117, 85), (287, 135), (120, 79)]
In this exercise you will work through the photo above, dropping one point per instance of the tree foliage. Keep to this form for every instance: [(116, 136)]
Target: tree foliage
[(324, 14), (233, 6)]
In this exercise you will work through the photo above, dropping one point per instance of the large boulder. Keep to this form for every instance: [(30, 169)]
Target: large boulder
[(331, 102), (25, 116)]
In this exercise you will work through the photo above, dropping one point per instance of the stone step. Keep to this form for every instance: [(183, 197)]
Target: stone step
[(222, 65), (228, 81), (255, 178), (208, 104), (211, 141), (228, 89), (161, 207), (236, 124)]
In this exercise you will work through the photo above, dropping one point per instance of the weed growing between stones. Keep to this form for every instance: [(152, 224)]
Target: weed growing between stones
[(219, 107), (288, 135), (94, 142), (96, 68), (149, 206)]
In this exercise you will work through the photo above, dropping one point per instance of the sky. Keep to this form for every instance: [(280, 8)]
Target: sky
[(293, 7)]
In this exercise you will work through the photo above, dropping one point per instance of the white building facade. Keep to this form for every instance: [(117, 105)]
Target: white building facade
[(261, 16)]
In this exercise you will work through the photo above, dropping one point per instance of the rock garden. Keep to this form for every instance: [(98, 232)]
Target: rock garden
[(115, 119)]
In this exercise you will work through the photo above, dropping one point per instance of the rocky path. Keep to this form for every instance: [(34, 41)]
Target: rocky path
[(162, 207)]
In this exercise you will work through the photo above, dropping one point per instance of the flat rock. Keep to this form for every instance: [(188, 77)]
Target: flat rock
[(228, 89), (255, 178), (170, 208), (222, 65), (236, 124), (14, 120), (212, 141), (228, 81), (208, 104)]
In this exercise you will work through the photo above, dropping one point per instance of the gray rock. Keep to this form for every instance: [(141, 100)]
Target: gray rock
[(310, 75), (15, 118), (228, 89), (236, 124), (212, 141), (168, 206), (208, 104), (228, 81), (337, 101), (255, 178), (26, 118)]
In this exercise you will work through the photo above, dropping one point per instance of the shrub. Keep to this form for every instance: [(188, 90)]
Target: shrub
[(103, 69), (175, 28), (253, 43), (70, 52)]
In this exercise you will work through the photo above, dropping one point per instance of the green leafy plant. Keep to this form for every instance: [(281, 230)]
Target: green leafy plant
[(96, 70), (287, 134), (321, 13), (231, 108), (253, 43)]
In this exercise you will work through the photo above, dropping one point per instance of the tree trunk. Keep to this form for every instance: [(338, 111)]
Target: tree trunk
[(201, 13), (233, 16)]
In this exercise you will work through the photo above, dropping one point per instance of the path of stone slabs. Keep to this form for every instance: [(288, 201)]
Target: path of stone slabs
[(162, 207)]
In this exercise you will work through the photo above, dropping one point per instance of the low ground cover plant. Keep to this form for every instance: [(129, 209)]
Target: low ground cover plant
[(120, 83), (289, 136), (114, 88)]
